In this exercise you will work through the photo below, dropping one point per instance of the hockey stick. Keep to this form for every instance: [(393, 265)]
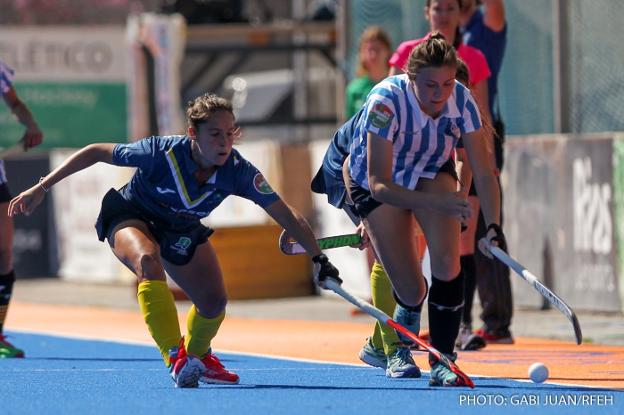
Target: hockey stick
[(291, 247), (540, 288), (383, 318)]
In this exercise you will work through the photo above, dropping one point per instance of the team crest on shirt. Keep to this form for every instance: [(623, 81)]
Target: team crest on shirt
[(381, 115), (452, 129), (261, 185)]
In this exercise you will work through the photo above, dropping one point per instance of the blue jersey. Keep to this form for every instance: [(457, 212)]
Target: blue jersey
[(492, 44), (329, 178), (421, 144), (165, 188)]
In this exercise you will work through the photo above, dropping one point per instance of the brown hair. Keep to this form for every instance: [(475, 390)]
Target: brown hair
[(463, 73), (202, 107), (458, 36), (434, 51), (372, 33)]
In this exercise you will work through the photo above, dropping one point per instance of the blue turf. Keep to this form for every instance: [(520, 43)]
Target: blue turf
[(70, 376)]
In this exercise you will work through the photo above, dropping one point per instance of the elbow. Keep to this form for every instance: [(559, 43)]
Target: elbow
[(97, 152), (377, 188)]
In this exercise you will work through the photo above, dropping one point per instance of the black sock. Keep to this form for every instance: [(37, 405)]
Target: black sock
[(417, 308), (446, 301), (6, 289)]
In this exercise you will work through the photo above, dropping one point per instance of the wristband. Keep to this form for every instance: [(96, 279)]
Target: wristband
[(41, 179)]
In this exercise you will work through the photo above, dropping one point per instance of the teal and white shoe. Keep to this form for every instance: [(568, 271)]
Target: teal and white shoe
[(441, 374), (372, 355), (401, 364), (408, 319)]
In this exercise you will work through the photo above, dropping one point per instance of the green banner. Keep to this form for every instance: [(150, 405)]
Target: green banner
[(618, 202), (71, 114)]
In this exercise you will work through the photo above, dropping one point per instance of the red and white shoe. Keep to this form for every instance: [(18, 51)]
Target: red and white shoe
[(215, 372), (495, 338), (185, 370)]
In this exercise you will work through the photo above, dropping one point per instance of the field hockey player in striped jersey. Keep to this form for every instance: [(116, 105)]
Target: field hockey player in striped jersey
[(401, 167), (153, 225), (32, 137)]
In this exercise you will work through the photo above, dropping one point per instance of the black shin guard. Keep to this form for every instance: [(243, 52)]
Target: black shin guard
[(6, 289), (446, 302)]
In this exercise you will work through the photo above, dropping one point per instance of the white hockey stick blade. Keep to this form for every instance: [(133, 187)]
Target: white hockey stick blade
[(540, 288)]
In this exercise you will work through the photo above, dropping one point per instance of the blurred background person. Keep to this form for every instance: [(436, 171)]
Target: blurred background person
[(484, 27), (375, 48), (32, 137), (444, 17)]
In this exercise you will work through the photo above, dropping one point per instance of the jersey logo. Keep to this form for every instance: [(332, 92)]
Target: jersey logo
[(164, 190), (261, 185), (381, 115)]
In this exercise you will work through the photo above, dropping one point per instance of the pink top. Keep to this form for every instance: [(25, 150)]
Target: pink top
[(475, 60)]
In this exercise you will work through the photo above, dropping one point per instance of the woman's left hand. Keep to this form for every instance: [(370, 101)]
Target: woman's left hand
[(26, 202), (452, 204), (493, 237), (326, 271)]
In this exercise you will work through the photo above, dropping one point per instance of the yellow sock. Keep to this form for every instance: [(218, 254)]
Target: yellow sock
[(161, 316), (201, 331), (381, 289)]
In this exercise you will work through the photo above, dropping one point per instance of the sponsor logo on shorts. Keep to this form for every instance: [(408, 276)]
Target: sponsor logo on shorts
[(182, 245), (261, 185), (381, 115)]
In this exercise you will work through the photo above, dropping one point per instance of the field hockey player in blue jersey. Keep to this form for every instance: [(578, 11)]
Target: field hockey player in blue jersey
[(153, 225), (401, 167)]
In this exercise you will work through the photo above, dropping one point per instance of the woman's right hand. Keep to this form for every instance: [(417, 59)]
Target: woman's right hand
[(365, 243), (27, 201), (452, 204)]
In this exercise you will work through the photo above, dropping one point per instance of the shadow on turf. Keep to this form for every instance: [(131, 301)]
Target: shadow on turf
[(95, 359)]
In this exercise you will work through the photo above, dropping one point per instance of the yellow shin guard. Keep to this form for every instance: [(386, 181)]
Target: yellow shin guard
[(160, 314), (201, 331), (381, 290)]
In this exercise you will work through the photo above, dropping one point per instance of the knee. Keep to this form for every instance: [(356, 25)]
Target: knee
[(211, 306), (445, 266), (148, 266)]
